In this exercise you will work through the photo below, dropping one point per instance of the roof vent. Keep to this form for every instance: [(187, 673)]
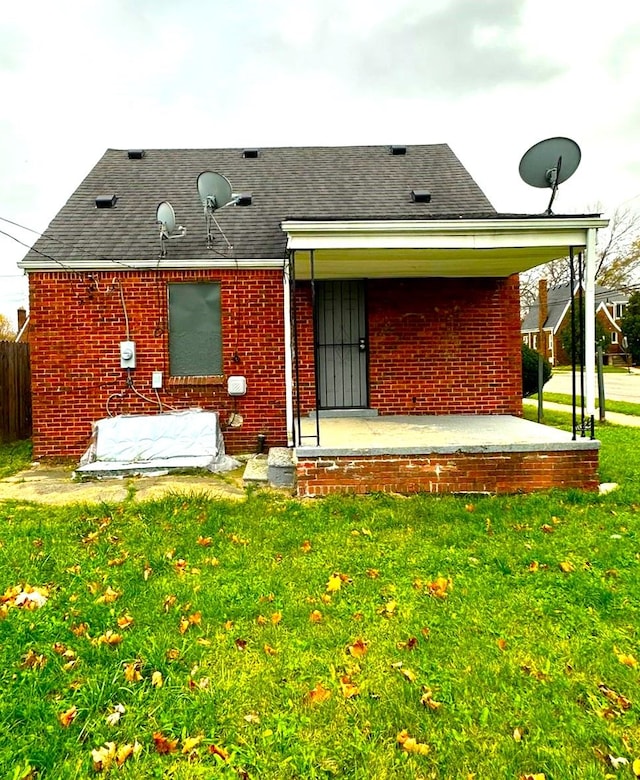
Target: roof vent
[(135, 154), (243, 199), (396, 150), (420, 196), (106, 201), (250, 153)]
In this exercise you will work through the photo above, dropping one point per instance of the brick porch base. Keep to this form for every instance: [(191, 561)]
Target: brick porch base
[(460, 472)]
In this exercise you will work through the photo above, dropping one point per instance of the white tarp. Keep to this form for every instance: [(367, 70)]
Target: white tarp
[(173, 440)]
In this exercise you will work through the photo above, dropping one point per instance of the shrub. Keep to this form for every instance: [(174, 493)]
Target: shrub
[(530, 371)]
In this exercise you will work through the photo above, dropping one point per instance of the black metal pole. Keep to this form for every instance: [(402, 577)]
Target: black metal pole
[(583, 329), (572, 274)]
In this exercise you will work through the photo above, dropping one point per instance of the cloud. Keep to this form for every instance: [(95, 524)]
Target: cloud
[(451, 48)]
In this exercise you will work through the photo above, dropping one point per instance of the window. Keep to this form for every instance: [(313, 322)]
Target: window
[(614, 336), (195, 332), (550, 342), (620, 307), (534, 341)]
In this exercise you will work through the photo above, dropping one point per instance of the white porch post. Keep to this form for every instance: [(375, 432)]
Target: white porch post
[(288, 353), (590, 322)]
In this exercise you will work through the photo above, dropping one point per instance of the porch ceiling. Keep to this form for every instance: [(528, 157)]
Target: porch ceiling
[(432, 248)]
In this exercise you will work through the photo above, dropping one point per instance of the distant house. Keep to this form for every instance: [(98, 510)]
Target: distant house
[(343, 286), (550, 315)]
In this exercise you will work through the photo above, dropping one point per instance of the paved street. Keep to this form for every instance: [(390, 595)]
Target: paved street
[(617, 387)]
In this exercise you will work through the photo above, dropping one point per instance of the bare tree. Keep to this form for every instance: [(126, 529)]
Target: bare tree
[(617, 263), (7, 333)]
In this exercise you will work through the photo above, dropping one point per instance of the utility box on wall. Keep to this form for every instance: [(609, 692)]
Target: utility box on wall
[(237, 385)]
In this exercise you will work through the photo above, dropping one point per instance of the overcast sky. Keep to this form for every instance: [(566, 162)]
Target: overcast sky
[(488, 77)]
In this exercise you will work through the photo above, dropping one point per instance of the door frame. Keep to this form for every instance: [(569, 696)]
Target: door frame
[(316, 341)]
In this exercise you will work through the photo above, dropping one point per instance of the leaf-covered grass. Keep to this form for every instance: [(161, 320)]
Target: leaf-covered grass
[(14, 457), (298, 639), (622, 407)]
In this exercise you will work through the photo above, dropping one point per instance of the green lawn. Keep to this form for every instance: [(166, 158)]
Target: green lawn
[(623, 407), (380, 637)]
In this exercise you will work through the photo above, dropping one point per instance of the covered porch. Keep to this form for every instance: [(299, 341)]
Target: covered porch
[(456, 433), (441, 454)]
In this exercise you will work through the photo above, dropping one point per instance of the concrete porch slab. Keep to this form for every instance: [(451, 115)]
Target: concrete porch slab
[(415, 435)]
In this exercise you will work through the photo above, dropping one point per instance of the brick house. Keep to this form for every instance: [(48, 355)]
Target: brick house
[(345, 283), (550, 315)]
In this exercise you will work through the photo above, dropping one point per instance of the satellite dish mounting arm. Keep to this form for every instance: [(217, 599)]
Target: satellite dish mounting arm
[(553, 177)]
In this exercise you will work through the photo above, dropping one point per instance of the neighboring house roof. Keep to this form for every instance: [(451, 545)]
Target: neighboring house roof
[(558, 301), (355, 182)]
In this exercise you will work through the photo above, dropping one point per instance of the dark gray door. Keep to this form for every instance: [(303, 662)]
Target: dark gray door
[(341, 345)]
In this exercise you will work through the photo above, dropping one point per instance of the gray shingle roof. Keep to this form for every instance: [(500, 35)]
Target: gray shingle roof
[(355, 182), (558, 298)]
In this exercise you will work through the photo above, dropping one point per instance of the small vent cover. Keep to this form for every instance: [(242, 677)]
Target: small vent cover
[(135, 154), (397, 150), (106, 201), (250, 154), (420, 196), (243, 199)]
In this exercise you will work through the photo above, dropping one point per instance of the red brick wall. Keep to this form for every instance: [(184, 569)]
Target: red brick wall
[(508, 472), (75, 330), (436, 346)]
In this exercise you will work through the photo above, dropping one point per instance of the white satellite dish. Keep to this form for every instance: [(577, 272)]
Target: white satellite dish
[(166, 218), (549, 163), (214, 190), (215, 193)]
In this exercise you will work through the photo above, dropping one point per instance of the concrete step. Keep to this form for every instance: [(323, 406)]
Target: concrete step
[(276, 469)]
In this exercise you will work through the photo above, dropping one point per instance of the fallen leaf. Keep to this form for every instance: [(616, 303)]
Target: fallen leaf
[(109, 638), (334, 583), (411, 745), (276, 617), (439, 587), (636, 767), (547, 529), (67, 717), (164, 744), (428, 701), (252, 717), (626, 659), (617, 698), (389, 609), (126, 751), (113, 717), (118, 561), (306, 546), (32, 660), (359, 648), (190, 744), (270, 650), (261, 620), (315, 616), (103, 756), (204, 541), (109, 596), (216, 750), (409, 644), (349, 690), (125, 621), (172, 654), (409, 674), (567, 566), (157, 681), (241, 644), (147, 572), (132, 672), (617, 761), (502, 644), (325, 598), (319, 694), (518, 733), (373, 574), (535, 776)]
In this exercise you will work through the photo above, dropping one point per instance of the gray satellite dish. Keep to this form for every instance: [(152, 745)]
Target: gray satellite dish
[(550, 162), (214, 190), (215, 193), (166, 218)]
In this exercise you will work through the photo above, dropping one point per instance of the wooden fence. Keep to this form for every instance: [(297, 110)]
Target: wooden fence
[(15, 392)]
